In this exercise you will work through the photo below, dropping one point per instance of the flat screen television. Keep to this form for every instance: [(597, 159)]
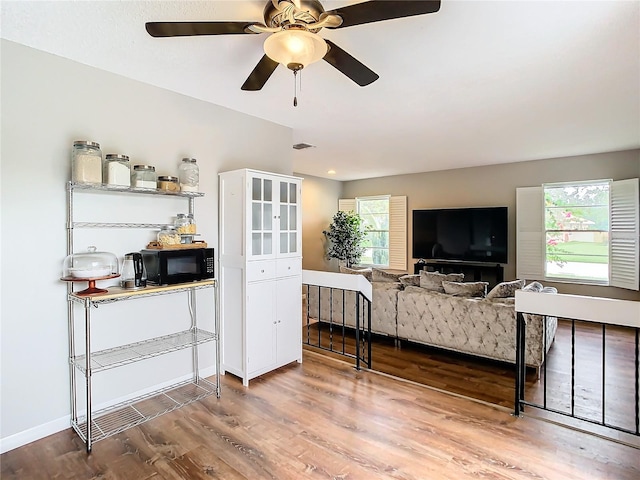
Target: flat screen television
[(461, 234)]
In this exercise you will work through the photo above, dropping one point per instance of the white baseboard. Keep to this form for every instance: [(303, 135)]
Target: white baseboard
[(44, 430), (35, 433)]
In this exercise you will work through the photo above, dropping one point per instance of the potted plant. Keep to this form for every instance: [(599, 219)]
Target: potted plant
[(346, 235)]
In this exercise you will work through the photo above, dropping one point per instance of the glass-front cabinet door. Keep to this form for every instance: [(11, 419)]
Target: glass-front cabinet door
[(275, 217), (262, 217), (289, 240)]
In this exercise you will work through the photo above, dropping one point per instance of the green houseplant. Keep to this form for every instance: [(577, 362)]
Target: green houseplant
[(346, 235)]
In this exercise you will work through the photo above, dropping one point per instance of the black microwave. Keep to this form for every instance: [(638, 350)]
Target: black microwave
[(168, 267)]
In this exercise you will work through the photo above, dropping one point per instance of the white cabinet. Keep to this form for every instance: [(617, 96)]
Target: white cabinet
[(260, 271)]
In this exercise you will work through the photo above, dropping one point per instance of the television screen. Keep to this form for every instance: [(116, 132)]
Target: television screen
[(463, 234)]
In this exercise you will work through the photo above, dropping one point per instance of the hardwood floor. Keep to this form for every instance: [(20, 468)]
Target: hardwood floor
[(494, 382), (323, 419)]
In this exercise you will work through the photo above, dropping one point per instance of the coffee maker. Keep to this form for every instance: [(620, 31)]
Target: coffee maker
[(133, 273)]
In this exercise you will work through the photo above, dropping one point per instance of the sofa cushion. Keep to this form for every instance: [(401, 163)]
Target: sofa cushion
[(366, 272), (467, 289), (533, 287), (378, 275), (506, 289), (410, 280), (432, 281)]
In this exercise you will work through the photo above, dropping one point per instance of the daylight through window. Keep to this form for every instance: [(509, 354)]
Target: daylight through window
[(577, 231), (375, 215)]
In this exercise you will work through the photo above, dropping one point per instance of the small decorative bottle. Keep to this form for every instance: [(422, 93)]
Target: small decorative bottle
[(189, 175)]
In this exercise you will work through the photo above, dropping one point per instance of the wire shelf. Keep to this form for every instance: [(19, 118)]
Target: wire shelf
[(134, 352), (117, 225), (120, 417), (145, 191)]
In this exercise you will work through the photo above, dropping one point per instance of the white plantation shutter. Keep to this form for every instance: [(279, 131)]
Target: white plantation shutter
[(398, 233), (530, 254), (624, 234), (346, 204)]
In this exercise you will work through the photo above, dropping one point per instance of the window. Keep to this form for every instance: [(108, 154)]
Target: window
[(580, 232), (375, 216), (577, 231), (387, 239)]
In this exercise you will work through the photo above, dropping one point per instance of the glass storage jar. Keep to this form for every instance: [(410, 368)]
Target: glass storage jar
[(189, 175), (192, 223), (168, 183), (182, 224), (168, 236), (86, 162), (143, 176), (117, 170), (90, 265)]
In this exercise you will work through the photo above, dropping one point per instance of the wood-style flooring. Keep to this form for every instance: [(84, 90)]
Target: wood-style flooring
[(494, 382), (323, 419)]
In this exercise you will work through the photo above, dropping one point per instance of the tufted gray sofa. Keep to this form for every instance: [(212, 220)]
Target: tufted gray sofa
[(483, 327), (477, 326)]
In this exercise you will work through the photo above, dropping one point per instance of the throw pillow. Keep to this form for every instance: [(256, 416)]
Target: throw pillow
[(366, 272), (410, 280), (378, 275), (533, 287), (468, 289), (433, 280), (506, 289)]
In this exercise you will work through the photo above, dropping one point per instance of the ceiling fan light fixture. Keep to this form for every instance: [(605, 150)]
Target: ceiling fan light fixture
[(295, 48)]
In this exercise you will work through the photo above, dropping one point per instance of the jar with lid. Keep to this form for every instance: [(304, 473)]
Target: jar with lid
[(143, 176), (168, 236), (116, 170), (182, 224), (192, 223), (168, 183), (189, 175), (86, 162)]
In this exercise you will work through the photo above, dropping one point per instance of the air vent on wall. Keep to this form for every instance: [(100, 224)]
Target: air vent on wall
[(302, 146)]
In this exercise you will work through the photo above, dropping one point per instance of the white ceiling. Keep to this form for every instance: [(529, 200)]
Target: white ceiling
[(478, 83)]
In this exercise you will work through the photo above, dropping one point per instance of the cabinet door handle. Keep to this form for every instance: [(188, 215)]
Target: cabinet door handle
[(261, 271)]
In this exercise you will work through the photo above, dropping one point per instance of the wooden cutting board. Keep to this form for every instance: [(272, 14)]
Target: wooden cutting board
[(177, 246)]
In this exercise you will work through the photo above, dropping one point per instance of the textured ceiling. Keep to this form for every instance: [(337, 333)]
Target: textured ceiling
[(476, 83)]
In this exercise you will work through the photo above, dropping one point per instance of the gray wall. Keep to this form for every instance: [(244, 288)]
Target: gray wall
[(47, 103), (496, 186), (319, 204)]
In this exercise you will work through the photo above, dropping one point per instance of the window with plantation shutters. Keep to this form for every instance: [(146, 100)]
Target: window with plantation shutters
[(386, 217), (579, 232)]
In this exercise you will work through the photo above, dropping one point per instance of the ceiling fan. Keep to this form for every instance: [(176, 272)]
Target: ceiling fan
[(293, 26)]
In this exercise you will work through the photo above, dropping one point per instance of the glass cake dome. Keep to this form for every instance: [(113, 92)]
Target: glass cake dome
[(90, 265)]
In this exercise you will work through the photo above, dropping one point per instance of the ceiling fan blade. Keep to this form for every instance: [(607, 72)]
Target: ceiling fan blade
[(187, 29), (260, 74), (379, 10), (352, 68)]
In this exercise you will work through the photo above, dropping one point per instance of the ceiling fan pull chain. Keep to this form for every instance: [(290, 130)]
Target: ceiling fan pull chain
[(295, 88)]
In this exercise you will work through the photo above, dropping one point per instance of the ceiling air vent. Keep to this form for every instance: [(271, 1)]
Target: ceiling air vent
[(302, 146)]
